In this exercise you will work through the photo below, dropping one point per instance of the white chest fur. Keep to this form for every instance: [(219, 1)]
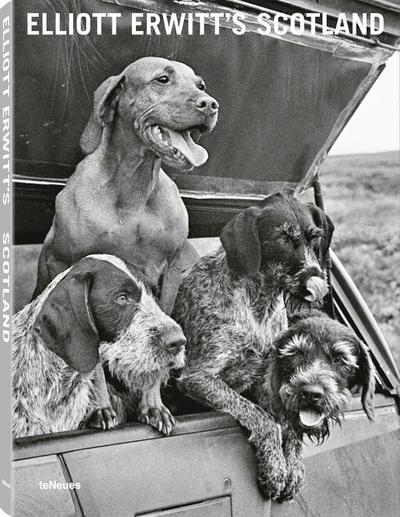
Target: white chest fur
[(261, 326)]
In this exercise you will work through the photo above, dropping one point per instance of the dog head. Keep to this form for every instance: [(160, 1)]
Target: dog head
[(315, 364), (164, 102), (286, 239), (99, 300)]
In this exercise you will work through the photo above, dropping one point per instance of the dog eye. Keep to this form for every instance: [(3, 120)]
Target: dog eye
[(289, 240), (285, 239), (164, 79), (201, 87), (123, 299), (337, 359)]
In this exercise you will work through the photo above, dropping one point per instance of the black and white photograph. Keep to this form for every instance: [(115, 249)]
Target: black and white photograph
[(200, 230)]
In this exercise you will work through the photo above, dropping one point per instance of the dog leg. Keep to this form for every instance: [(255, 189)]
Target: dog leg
[(265, 433), (169, 289), (172, 277), (152, 411), (293, 452), (292, 447), (104, 416), (48, 266)]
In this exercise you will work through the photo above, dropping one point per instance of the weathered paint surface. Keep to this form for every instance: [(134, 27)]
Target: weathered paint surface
[(134, 471)]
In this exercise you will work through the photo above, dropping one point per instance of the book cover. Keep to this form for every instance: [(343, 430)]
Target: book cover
[(135, 133)]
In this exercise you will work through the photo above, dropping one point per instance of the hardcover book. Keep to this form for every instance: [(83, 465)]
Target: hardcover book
[(164, 238)]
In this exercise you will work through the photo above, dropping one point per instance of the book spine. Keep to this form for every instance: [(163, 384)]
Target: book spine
[(6, 235)]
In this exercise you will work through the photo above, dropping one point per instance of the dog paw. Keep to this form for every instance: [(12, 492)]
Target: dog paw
[(158, 417), (271, 481), (103, 418), (287, 494), (294, 481)]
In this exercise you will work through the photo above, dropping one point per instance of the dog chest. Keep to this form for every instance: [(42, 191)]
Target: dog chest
[(153, 225), (260, 322), (141, 237), (246, 358)]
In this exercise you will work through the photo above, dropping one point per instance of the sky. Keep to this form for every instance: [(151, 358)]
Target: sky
[(375, 126)]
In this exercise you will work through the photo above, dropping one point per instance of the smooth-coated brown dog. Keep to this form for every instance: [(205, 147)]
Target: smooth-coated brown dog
[(119, 200)]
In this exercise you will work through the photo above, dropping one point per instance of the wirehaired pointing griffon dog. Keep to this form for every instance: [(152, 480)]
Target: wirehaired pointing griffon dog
[(310, 371), (119, 200), (97, 310), (232, 305), (313, 366)]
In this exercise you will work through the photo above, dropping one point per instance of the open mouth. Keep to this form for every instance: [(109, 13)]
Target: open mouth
[(178, 147), (309, 418)]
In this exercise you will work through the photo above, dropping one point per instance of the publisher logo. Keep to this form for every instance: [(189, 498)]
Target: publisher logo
[(58, 485)]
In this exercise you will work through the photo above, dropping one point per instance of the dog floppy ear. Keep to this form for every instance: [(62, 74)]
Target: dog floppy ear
[(241, 242), (104, 107), (366, 378), (324, 222), (65, 323), (368, 375)]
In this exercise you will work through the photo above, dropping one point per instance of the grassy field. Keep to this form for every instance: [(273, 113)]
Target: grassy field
[(362, 197)]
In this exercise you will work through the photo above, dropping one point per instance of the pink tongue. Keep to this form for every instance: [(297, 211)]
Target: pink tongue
[(196, 154), (310, 418)]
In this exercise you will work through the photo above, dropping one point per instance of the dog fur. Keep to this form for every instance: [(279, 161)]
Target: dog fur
[(95, 312), (119, 200), (233, 303), (310, 371)]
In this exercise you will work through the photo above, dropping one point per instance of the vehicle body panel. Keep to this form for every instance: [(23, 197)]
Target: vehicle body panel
[(208, 458)]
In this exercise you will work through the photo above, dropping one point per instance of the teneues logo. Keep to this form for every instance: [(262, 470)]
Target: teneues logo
[(58, 485)]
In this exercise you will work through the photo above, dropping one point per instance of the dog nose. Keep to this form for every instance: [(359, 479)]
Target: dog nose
[(207, 105), (312, 392), (173, 340)]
